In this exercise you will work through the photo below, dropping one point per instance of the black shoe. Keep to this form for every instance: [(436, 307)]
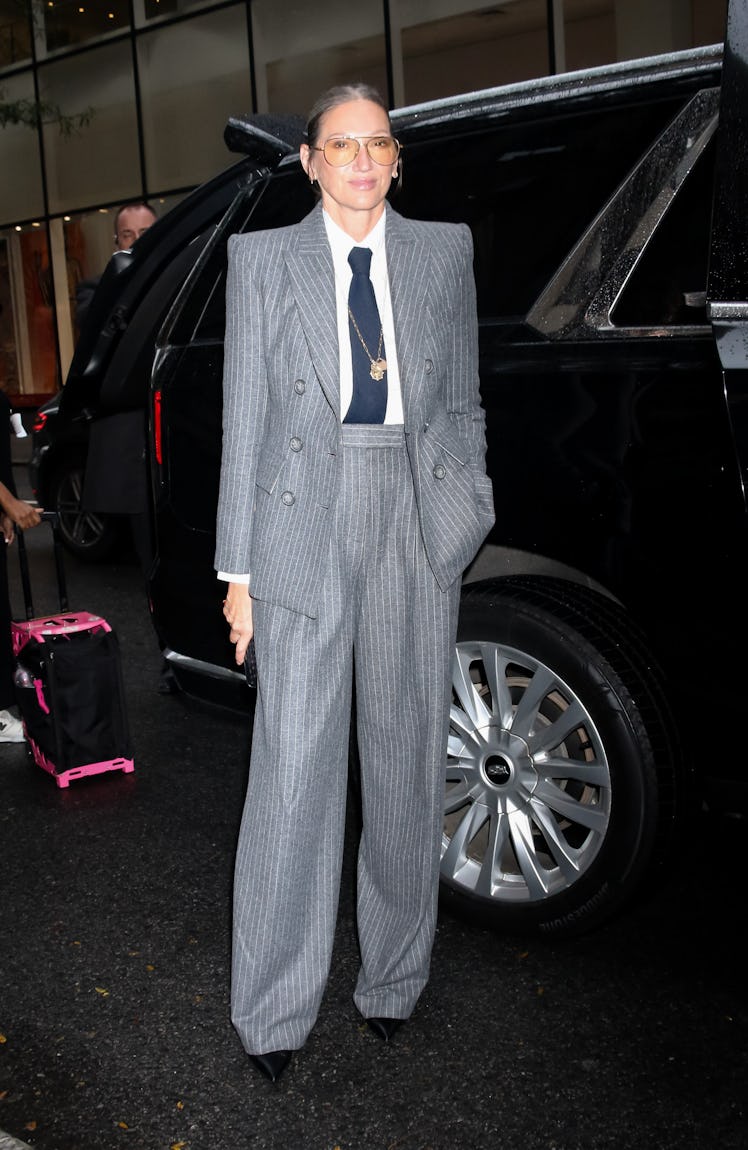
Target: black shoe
[(384, 1028), (273, 1063)]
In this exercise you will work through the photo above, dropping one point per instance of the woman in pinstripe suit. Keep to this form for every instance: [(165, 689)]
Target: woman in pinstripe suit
[(353, 495)]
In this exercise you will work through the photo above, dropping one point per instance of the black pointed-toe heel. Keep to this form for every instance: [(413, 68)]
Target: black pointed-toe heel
[(384, 1028), (273, 1063)]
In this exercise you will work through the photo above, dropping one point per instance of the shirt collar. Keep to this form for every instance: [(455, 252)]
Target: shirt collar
[(341, 243)]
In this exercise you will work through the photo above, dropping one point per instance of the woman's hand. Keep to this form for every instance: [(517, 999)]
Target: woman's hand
[(237, 610), (7, 525), (22, 514)]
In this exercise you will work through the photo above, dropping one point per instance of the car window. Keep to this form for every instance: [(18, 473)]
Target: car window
[(580, 299), (668, 285), (284, 199), (528, 189)]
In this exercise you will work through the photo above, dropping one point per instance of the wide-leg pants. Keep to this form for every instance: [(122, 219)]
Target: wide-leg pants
[(382, 612)]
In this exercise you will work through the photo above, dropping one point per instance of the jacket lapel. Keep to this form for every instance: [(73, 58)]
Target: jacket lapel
[(312, 277)]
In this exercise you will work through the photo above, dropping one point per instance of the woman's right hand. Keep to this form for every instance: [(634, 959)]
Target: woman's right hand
[(237, 610), (23, 514)]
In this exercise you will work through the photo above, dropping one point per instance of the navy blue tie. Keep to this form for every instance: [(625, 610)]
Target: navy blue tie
[(369, 401)]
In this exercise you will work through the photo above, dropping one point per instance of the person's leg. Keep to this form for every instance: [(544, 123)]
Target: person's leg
[(290, 848), (404, 645), (290, 845)]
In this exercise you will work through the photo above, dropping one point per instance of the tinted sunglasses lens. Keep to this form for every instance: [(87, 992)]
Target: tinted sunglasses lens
[(340, 152), (382, 149)]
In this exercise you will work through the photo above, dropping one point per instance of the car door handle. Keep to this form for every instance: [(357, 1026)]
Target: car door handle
[(731, 312)]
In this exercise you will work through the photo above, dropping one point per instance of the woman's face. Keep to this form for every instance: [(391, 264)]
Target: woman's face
[(352, 195)]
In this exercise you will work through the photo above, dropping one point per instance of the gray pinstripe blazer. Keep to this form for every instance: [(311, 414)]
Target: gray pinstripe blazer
[(281, 419)]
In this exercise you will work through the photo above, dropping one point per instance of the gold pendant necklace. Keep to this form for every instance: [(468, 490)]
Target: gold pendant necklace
[(378, 366)]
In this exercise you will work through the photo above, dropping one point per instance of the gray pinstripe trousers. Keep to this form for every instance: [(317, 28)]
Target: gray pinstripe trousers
[(381, 605)]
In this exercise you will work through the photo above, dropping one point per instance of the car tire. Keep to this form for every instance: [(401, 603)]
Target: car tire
[(562, 760), (86, 534)]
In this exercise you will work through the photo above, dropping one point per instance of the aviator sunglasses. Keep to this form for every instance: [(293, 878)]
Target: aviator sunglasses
[(342, 150)]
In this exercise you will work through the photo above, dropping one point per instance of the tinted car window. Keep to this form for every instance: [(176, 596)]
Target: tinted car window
[(528, 190), (203, 317), (668, 284)]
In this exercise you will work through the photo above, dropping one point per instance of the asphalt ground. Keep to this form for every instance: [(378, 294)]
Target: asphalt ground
[(114, 960)]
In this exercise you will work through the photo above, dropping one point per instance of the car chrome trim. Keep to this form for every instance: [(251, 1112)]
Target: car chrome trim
[(212, 670), (731, 312)]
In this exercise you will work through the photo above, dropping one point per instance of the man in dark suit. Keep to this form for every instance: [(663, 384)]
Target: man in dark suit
[(130, 223), (116, 477)]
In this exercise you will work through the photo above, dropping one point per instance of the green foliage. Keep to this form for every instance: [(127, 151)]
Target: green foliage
[(32, 113)]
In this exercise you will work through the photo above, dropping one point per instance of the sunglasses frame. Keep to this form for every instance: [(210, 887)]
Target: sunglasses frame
[(358, 141)]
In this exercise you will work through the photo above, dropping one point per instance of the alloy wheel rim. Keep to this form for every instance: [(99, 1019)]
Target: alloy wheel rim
[(528, 789)]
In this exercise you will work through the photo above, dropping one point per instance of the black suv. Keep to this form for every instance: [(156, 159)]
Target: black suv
[(598, 668)]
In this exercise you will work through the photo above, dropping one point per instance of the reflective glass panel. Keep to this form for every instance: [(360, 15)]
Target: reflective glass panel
[(9, 375), (100, 163), (158, 9), (20, 197), (647, 29), (455, 47), (301, 49), (15, 33), (709, 21), (28, 351), (589, 34), (193, 76), (67, 23)]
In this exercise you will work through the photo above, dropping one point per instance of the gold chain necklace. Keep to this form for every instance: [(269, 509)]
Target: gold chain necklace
[(378, 365)]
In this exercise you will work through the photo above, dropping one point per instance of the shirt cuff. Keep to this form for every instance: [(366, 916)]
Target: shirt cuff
[(227, 578)]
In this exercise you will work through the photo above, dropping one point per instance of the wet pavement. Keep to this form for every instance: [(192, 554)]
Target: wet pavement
[(114, 960)]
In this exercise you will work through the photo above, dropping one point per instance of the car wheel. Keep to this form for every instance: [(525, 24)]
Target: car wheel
[(86, 534), (561, 759)]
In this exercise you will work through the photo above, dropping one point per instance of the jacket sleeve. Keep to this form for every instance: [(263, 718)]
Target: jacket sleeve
[(463, 398), (244, 408), (464, 405)]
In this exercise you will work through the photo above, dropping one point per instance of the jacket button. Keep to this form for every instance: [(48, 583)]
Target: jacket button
[(295, 444), (288, 498), (429, 365), (299, 387), (440, 471)]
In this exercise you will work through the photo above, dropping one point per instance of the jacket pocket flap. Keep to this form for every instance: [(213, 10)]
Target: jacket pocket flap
[(442, 431), (268, 470)]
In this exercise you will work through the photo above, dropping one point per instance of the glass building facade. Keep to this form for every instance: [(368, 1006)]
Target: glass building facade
[(161, 77)]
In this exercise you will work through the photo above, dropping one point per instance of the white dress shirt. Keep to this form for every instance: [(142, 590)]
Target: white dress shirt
[(340, 245)]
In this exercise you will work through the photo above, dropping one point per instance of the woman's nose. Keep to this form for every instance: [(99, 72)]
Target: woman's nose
[(363, 161)]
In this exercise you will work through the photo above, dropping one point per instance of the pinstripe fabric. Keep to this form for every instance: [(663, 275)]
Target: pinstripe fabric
[(355, 548), (281, 465), (381, 608)]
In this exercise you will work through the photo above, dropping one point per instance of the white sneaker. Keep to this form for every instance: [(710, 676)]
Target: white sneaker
[(11, 728)]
